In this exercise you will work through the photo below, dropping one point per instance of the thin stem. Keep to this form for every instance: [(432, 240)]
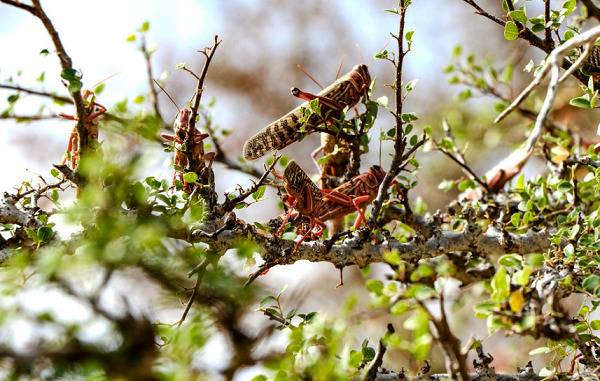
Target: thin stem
[(59, 98), (153, 93), (399, 140)]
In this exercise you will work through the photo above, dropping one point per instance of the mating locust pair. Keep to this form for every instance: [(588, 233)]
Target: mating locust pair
[(308, 205)]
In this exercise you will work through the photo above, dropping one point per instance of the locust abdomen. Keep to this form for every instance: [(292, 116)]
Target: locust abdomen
[(277, 135), (344, 92)]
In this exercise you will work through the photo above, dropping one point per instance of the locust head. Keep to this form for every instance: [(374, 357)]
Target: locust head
[(360, 78), (377, 172)]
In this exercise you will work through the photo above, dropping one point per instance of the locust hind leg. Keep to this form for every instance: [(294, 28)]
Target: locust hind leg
[(314, 223), (210, 158), (306, 96), (356, 201)]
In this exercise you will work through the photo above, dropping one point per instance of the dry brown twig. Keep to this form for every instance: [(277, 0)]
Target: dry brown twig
[(512, 164)]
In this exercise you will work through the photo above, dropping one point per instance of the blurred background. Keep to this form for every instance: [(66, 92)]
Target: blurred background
[(250, 77)]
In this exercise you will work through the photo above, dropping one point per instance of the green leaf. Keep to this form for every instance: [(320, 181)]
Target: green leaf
[(410, 86), (591, 283), (45, 234), (539, 351), (569, 6), (457, 51), (382, 101), (511, 32), (569, 250), (368, 354), (466, 184), (447, 143), (446, 185), (581, 102), (465, 95), (515, 219), (409, 117), (260, 192), (519, 15), (507, 73), (145, 27), (267, 300), (595, 324), (510, 260), (99, 89), (382, 55), (374, 285), (131, 38), (190, 177), (392, 257), (44, 52), (400, 307), (500, 285)]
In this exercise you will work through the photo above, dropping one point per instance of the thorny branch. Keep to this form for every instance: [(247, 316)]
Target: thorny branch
[(552, 65), (430, 241), (378, 360), (455, 359), (195, 162), (30, 118), (354, 251), (529, 36), (66, 64), (459, 158), (208, 53), (56, 97), (152, 89), (399, 139), (230, 204), (188, 306)]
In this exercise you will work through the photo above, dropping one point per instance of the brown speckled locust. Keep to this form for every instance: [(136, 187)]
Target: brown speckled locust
[(93, 111), (307, 202), (344, 92), (196, 152)]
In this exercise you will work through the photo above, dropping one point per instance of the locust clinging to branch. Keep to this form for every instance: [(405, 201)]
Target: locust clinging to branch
[(344, 92), (307, 201)]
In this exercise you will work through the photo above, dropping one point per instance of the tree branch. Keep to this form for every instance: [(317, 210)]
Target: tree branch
[(354, 251), (18, 4), (208, 53), (528, 36), (229, 204), (59, 98), (593, 10), (67, 66), (152, 90), (399, 139)]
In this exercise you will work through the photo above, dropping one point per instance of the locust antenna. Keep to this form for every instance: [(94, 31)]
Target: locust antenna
[(380, 143), (360, 52), (167, 94), (337, 74), (302, 69), (105, 79)]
